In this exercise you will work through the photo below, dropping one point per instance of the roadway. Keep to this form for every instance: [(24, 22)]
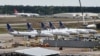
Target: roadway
[(66, 22), (79, 21), (53, 22), (17, 24)]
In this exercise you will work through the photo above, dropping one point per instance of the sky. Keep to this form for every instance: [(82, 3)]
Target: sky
[(51, 2)]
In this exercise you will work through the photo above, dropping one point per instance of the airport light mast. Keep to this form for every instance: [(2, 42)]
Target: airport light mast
[(84, 23)]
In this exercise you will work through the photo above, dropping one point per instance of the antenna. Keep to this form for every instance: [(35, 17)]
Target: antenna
[(84, 23)]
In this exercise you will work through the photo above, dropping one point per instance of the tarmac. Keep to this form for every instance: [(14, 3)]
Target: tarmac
[(65, 50)]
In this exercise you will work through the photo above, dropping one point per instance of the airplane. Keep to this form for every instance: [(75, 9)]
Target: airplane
[(20, 33), (40, 32), (56, 31), (71, 31), (78, 30), (25, 14)]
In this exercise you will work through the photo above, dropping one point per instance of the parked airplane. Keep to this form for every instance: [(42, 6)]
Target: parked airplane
[(40, 32), (20, 33), (71, 31), (25, 14), (56, 31), (78, 30)]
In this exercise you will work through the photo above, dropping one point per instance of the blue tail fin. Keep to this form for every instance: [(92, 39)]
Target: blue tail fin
[(29, 27), (61, 25), (9, 28), (51, 25), (43, 25)]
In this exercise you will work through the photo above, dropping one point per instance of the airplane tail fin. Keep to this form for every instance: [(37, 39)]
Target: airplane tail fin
[(51, 25), (29, 27), (15, 11), (9, 28), (43, 25), (61, 25)]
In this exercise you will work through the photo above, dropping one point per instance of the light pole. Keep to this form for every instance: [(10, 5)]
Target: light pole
[(84, 23)]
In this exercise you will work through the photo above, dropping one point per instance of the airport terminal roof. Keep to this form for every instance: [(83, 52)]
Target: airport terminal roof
[(37, 51)]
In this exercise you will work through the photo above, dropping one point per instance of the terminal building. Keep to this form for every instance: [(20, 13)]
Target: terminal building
[(76, 15)]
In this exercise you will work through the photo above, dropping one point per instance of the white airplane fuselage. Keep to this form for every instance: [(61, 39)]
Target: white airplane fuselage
[(19, 33), (32, 33), (71, 31), (26, 14), (57, 32)]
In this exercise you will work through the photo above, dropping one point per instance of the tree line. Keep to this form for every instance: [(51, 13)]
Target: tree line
[(47, 10)]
